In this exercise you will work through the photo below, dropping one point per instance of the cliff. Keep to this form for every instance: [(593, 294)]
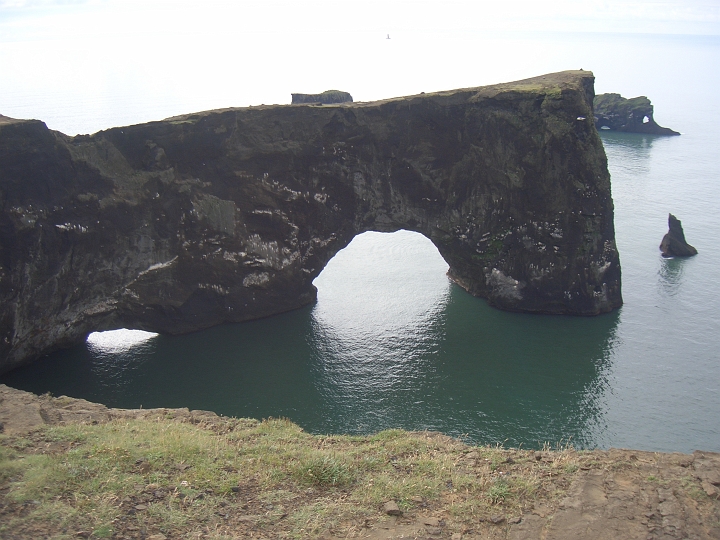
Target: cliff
[(77, 469), (229, 215), (634, 115)]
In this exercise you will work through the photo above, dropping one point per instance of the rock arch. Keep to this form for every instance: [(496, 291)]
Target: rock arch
[(229, 215)]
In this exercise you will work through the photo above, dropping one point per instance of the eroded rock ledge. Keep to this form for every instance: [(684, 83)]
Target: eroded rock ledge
[(228, 215)]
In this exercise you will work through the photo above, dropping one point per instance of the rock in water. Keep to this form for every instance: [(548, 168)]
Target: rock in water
[(326, 98), (673, 243), (635, 115), (229, 215)]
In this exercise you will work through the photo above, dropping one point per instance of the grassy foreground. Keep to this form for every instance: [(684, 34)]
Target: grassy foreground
[(156, 478)]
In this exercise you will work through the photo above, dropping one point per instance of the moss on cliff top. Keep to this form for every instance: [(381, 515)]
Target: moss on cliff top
[(550, 84), (159, 475), (7, 120), (614, 103)]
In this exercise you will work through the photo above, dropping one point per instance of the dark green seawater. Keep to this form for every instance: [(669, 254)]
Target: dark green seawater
[(392, 343)]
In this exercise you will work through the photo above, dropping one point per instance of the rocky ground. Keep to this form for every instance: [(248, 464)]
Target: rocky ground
[(614, 494)]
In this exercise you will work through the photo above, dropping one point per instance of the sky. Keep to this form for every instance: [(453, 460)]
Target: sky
[(43, 19), (85, 65)]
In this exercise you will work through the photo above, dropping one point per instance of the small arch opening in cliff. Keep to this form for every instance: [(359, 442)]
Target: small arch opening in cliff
[(118, 341), (382, 284)]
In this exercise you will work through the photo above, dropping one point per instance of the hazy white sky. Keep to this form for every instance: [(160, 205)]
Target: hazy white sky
[(32, 19), (83, 65)]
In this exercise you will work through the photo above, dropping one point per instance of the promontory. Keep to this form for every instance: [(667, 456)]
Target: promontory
[(229, 215)]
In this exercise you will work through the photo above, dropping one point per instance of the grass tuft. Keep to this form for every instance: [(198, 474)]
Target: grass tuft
[(498, 491), (324, 471)]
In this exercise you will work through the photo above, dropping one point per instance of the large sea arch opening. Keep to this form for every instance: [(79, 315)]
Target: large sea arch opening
[(383, 279), (377, 327)]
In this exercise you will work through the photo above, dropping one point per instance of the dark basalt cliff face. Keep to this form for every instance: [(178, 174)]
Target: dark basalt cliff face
[(229, 215), (634, 115)]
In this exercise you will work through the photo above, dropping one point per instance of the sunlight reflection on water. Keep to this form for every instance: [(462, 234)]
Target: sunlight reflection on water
[(117, 341)]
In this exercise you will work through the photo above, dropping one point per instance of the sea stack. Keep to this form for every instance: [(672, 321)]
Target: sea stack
[(673, 243)]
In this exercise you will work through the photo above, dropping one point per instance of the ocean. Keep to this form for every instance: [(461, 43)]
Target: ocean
[(391, 342)]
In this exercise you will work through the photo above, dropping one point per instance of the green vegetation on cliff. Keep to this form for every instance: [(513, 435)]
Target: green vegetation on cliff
[(166, 474), (163, 476), (70, 468)]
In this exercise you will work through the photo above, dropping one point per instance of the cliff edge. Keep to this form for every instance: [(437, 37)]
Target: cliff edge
[(229, 215), (77, 469)]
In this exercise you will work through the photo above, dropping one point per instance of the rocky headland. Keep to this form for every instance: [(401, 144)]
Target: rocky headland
[(229, 215), (74, 469), (634, 115), (327, 97)]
